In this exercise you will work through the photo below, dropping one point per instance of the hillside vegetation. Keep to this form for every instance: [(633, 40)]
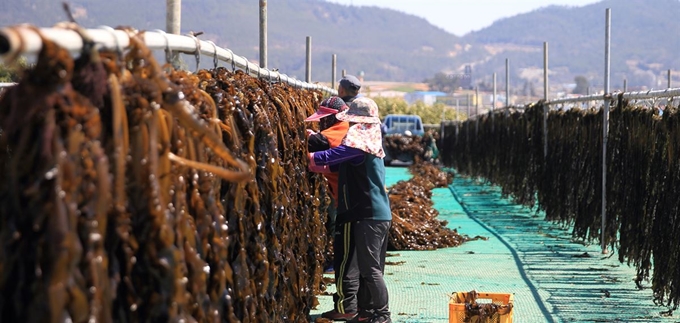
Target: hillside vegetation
[(389, 45), (643, 45)]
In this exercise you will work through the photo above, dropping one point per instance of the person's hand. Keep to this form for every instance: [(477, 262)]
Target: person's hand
[(310, 132)]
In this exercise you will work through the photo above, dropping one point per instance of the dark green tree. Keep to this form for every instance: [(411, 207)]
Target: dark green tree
[(582, 85)]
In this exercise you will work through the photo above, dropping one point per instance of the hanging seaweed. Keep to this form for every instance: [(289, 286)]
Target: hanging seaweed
[(131, 192), (642, 172)]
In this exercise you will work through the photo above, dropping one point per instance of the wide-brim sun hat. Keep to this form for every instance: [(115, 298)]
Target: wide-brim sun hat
[(328, 107), (361, 110), (321, 113)]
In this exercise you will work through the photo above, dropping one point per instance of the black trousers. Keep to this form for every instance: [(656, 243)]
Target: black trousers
[(346, 269), (359, 263), (370, 248)]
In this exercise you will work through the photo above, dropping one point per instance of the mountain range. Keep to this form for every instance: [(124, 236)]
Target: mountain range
[(388, 45)]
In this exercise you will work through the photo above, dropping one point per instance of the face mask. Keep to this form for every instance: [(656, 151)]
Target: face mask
[(327, 122)]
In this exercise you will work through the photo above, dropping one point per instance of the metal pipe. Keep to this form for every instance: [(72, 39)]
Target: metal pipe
[(507, 86), (19, 40), (263, 33), (584, 98), (344, 73), (334, 66), (652, 94), (625, 85), (605, 125), (639, 95), (308, 69)]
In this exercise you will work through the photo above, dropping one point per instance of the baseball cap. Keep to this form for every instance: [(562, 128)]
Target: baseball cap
[(350, 82)]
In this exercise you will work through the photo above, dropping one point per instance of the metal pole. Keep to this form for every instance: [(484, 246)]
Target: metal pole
[(344, 73), (467, 127), (308, 70), (476, 101), (625, 85), (457, 117), (334, 67), (476, 111), (263, 33), (507, 86), (173, 22), (457, 109), (545, 97), (173, 16), (493, 106), (545, 71), (669, 78), (468, 105), (457, 130), (605, 125), (442, 134)]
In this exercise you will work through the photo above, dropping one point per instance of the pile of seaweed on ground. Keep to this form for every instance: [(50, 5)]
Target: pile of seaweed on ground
[(135, 193), (420, 147), (397, 144), (414, 220)]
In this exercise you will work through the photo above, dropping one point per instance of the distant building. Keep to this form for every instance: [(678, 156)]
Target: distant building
[(427, 97), (386, 94)]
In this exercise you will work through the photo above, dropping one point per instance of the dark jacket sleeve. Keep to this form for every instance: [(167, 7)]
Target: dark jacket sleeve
[(338, 155), (317, 142)]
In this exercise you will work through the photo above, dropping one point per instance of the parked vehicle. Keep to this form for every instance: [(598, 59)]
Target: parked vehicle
[(401, 123)]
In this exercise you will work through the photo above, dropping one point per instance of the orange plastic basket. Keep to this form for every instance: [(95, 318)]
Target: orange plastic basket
[(458, 312)]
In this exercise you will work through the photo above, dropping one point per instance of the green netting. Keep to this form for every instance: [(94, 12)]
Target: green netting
[(396, 174), (553, 278)]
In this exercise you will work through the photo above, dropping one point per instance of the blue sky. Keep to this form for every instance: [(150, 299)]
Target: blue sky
[(463, 16)]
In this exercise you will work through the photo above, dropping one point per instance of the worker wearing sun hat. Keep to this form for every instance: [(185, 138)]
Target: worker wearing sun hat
[(330, 135), (363, 211)]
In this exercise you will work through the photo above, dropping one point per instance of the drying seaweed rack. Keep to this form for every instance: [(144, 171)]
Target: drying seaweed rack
[(669, 94), (22, 40)]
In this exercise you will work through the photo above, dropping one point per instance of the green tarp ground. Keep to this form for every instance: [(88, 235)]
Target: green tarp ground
[(553, 278)]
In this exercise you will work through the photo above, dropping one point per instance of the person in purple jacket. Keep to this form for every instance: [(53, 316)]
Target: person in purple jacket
[(364, 216)]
